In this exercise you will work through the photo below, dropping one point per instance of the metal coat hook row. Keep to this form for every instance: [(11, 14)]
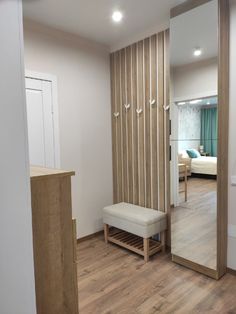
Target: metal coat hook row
[(116, 114), (152, 102), (166, 108), (139, 111), (127, 107)]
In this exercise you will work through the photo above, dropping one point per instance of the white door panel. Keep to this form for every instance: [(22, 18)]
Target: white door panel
[(40, 122)]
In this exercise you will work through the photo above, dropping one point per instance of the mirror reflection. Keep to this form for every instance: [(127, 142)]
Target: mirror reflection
[(194, 134)]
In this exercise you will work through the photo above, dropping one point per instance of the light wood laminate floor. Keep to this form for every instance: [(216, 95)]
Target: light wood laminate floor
[(113, 280), (194, 223)]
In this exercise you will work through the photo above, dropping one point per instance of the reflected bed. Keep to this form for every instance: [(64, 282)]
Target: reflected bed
[(204, 165)]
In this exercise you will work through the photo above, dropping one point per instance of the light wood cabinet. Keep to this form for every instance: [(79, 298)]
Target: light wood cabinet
[(54, 242)]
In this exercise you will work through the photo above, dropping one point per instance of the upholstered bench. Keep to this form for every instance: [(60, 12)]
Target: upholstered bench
[(136, 225)]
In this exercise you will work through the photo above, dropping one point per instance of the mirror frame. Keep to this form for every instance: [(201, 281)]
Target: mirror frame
[(223, 133)]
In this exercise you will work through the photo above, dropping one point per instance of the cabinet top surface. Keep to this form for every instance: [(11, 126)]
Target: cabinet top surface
[(37, 172)]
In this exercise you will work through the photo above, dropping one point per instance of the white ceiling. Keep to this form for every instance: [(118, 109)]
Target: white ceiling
[(195, 28), (92, 18)]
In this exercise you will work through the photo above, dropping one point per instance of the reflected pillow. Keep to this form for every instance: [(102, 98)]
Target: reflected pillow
[(193, 153), (184, 154)]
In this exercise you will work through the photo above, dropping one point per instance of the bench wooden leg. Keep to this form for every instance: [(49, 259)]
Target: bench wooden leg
[(163, 241), (106, 232), (146, 249)]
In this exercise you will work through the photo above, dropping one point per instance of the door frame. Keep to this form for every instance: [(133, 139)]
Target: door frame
[(53, 80)]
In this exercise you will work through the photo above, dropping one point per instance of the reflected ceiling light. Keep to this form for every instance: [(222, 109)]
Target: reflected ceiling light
[(117, 16), (196, 101), (181, 103), (208, 103), (197, 52)]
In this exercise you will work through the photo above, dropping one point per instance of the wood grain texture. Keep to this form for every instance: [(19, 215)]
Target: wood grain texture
[(148, 112), (119, 139), (114, 130), (154, 130), (124, 124), (160, 122), (141, 142), (114, 280), (140, 122), (167, 131), (129, 123), (134, 103), (186, 6), (42, 173), (53, 243), (223, 132), (145, 247)]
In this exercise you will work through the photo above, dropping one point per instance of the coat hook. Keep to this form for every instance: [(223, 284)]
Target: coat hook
[(139, 111), (166, 108), (152, 102), (116, 114), (127, 106)]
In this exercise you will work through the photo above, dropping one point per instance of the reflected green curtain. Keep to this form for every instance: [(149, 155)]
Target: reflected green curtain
[(209, 130)]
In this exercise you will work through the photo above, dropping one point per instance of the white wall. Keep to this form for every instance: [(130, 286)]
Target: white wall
[(189, 127), (82, 70), (17, 290), (195, 80), (232, 140)]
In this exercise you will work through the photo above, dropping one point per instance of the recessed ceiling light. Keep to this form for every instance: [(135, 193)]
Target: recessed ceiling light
[(196, 101), (117, 16), (197, 52), (181, 103), (208, 103)]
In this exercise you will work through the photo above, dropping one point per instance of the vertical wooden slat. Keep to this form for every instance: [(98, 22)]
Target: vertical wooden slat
[(140, 122), (147, 122), (124, 124), (119, 128), (129, 123), (135, 124), (167, 134), (154, 96), (114, 129), (161, 122), (223, 133)]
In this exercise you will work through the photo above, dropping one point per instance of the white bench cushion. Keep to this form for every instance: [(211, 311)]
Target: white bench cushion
[(138, 220)]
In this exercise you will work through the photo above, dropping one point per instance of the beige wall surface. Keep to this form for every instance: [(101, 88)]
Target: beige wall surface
[(83, 75), (195, 80)]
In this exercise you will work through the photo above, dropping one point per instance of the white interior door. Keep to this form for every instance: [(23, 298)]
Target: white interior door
[(40, 122)]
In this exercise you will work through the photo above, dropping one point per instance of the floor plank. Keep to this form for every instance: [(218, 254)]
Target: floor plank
[(113, 280)]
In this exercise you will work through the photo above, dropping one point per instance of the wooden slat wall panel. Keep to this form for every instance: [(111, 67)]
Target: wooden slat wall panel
[(140, 149)]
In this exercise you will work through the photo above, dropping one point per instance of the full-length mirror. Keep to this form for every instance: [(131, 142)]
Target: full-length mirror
[(194, 134)]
